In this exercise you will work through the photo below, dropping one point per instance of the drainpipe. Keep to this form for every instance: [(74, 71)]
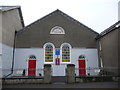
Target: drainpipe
[(13, 56)]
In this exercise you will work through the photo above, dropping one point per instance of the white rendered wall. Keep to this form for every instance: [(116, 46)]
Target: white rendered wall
[(22, 55), (118, 10), (58, 70), (7, 56), (91, 57), (0, 48), (0, 55), (91, 61), (0, 60)]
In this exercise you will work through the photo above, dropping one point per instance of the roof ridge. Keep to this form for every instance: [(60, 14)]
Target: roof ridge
[(74, 20), (9, 6), (108, 30), (38, 20), (6, 7)]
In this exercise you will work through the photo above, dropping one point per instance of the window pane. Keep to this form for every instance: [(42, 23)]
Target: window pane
[(65, 53), (49, 53)]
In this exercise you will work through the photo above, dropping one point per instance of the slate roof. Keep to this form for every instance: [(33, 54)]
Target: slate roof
[(62, 13), (110, 29), (8, 8)]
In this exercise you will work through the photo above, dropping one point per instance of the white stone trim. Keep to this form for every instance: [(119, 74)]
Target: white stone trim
[(53, 52), (57, 30), (61, 53)]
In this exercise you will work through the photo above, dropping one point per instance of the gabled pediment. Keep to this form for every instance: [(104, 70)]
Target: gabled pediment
[(63, 14)]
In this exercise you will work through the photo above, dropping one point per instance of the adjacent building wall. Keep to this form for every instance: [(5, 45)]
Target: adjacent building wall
[(119, 51), (0, 45), (109, 51), (11, 22), (7, 57), (0, 27), (119, 10), (119, 39)]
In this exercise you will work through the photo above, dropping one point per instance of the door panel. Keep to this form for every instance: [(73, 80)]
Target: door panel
[(31, 67), (82, 67)]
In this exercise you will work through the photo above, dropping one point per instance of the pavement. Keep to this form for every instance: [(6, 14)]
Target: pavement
[(64, 85)]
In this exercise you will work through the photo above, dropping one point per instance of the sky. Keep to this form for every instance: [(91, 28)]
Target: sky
[(96, 14)]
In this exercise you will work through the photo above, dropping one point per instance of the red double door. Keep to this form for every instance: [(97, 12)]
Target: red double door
[(31, 67), (82, 67)]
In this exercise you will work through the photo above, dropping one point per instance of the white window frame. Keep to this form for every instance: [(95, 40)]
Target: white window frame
[(53, 52), (61, 53)]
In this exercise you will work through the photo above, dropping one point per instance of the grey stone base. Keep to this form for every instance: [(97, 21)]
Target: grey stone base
[(22, 81), (96, 79)]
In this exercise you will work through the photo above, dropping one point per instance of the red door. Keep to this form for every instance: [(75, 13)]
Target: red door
[(31, 67), (82, 67)]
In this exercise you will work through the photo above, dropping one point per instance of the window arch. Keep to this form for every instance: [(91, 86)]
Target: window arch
[(57, 30), (66, 52), (32, 57), (48, 53), (82, 57)]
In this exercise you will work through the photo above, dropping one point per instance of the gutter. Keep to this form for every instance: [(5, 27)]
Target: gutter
[(13, 56)]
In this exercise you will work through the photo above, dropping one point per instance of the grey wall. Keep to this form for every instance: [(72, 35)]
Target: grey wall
[(11, 21), (0, 28), (0, 61), (39, 33), (109, 52)]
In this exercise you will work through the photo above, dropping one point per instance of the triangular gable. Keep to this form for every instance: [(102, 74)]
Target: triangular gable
[(62, 13)]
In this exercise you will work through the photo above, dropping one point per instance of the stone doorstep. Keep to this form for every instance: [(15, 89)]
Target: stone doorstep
[(21, 81)]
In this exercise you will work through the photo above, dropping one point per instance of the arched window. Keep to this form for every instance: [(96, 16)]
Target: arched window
[(57, 30), (66, 52), (48, 52), (32, 57)]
